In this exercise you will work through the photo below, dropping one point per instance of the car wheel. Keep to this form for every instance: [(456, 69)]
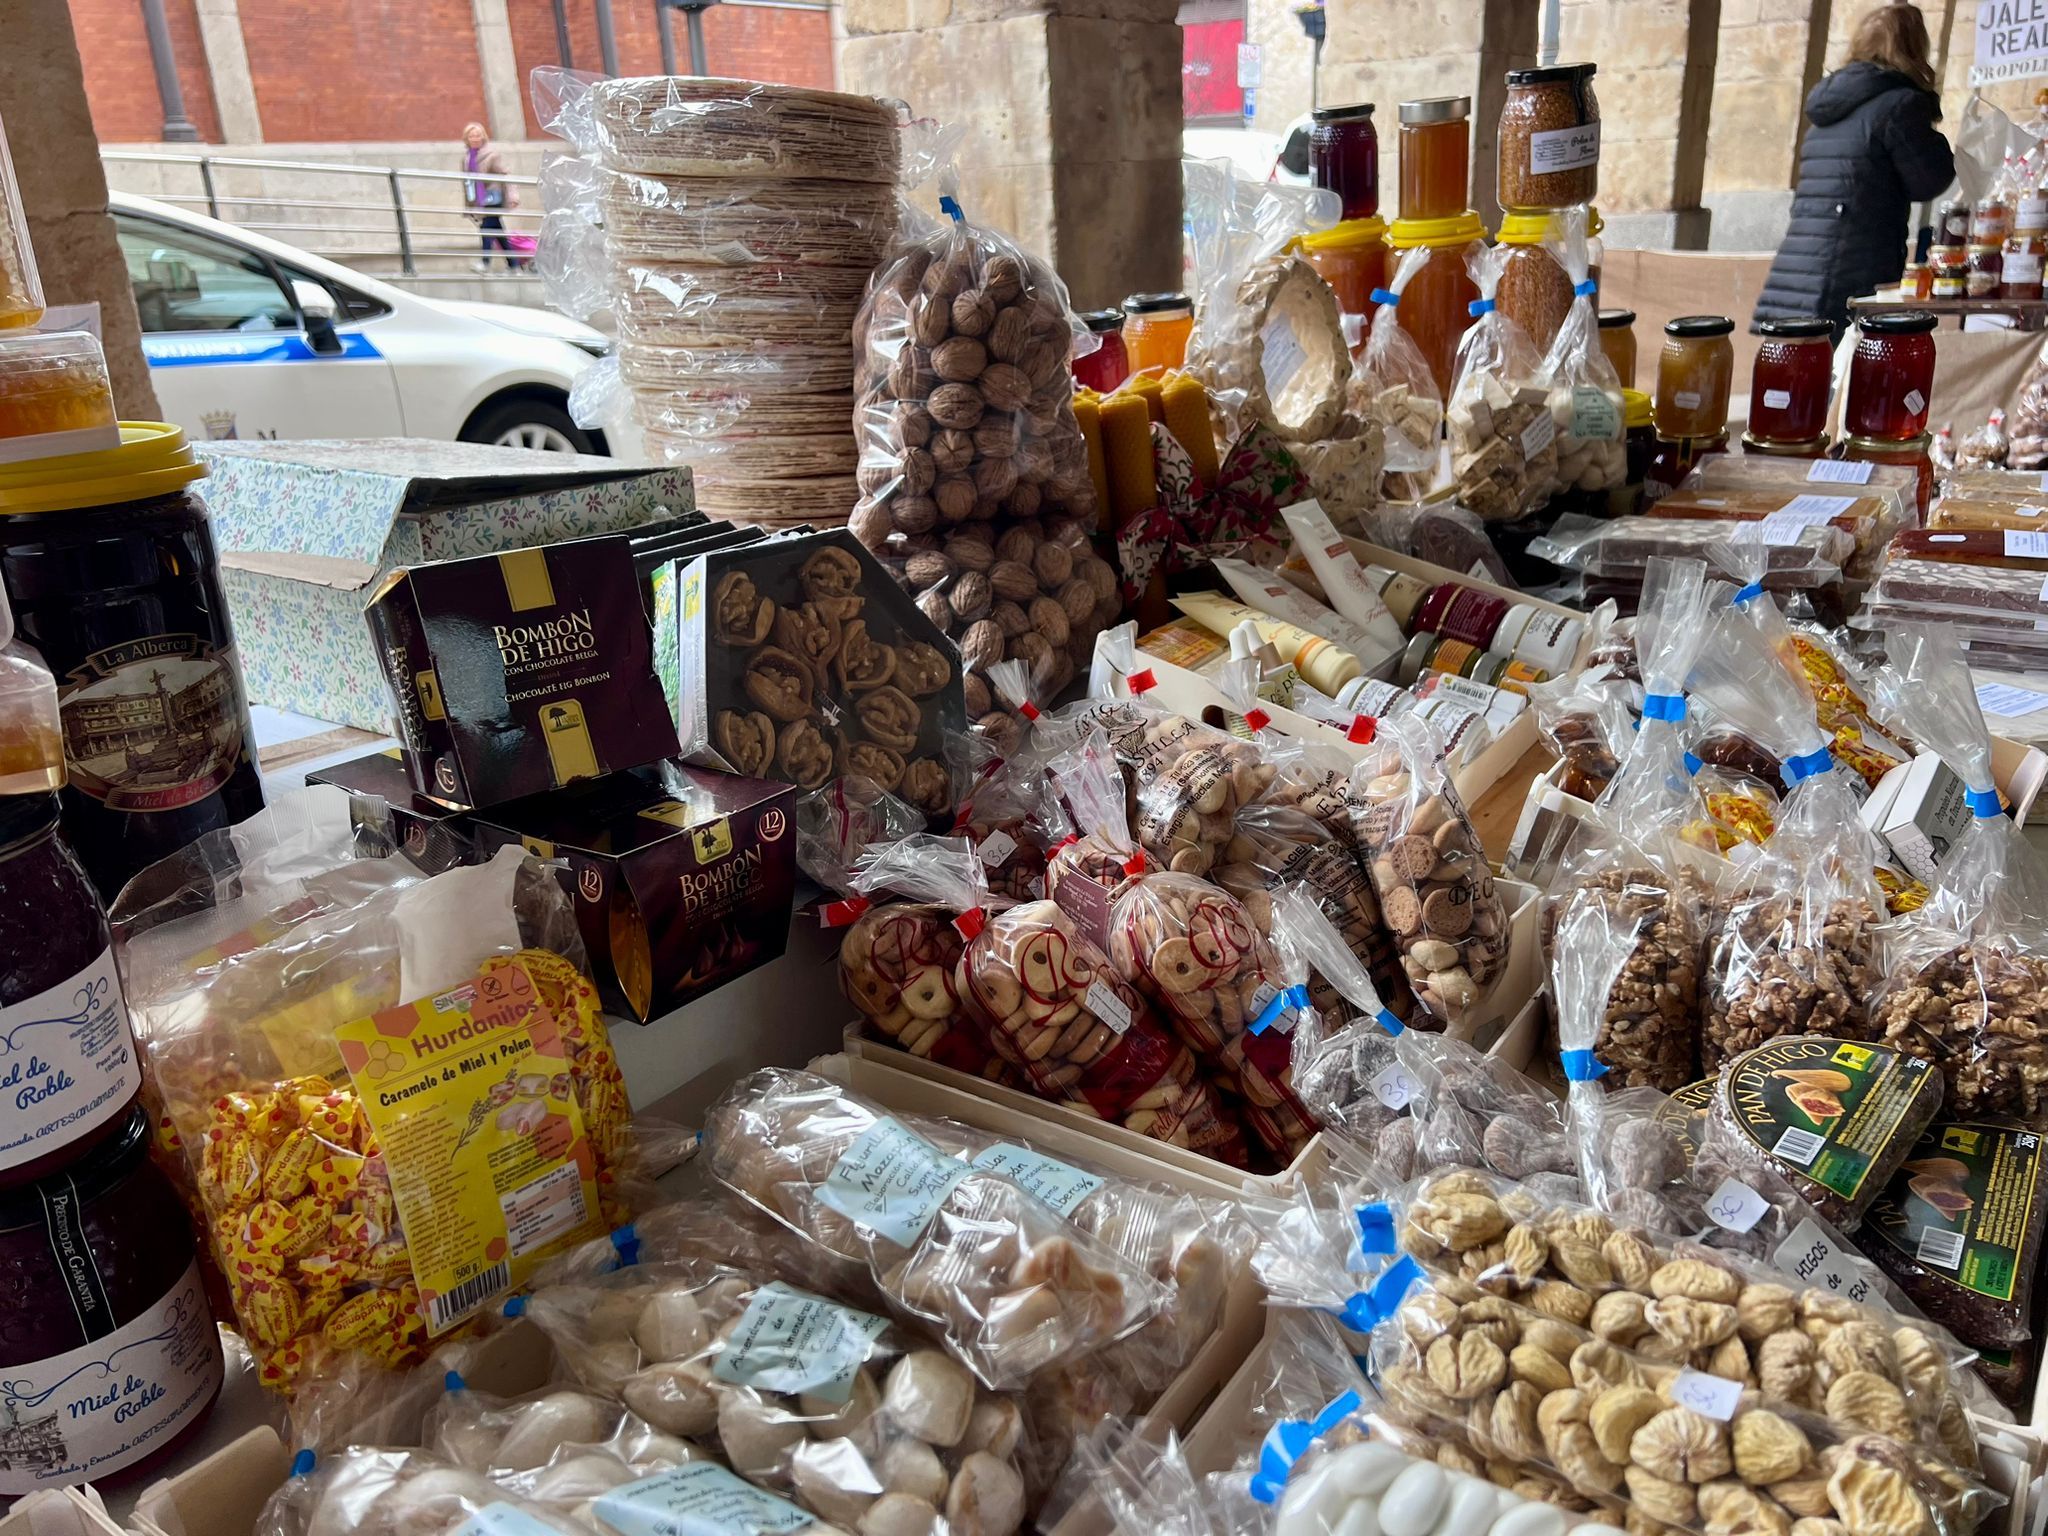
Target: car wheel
[(522, 423)]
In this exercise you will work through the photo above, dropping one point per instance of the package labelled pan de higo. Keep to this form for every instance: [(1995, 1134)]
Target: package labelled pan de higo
[(975, 488), (392, 1096), (1038, 981), (729, 227), (1631, 864), (1649, 1380), (801, 660), (1231, 989), (1268, 338)]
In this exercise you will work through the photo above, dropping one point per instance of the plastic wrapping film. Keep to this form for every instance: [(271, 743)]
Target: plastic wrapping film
[(559, 1447), (1435, 888), (832, 1407), (1968, 973), (1627, 867), (1797, 951), (254, 1009), (1010, 1286), (1502, 425), (1811, 555), (1398, 388), (1768, 511), (1591, 455), (371, 1492)]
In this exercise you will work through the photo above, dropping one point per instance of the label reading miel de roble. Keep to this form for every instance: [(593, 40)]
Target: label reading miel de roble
[(891, 1181), (89, 1412), (1564, 149), (1961, 1204), (791, 1341), (1056, 1183), (67, 1063), (1827, 1108), (699, 1499), (472, 1101)]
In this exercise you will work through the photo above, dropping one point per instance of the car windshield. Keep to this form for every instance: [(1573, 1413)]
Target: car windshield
[(185, 281)]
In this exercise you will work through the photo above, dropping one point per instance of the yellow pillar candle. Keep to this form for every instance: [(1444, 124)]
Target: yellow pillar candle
[(1186, 404), (1132, 478), (1088, 417)]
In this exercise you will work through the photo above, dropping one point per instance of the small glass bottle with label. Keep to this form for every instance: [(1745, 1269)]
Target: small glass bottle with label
[(2020, 275)]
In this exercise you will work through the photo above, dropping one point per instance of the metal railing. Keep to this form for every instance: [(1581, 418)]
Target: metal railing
[(424, 235)]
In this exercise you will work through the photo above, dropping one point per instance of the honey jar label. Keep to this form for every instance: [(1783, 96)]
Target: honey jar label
[(1564, 149), (891, 1181), (700, 1499), (155, 724), (1058, 1185), (472, 1102), (91, 1411), (67, 1062), (793, 1342)]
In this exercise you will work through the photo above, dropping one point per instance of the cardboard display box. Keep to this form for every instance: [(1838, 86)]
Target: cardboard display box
[(522, 671), (682, 878), (381, 798), (307, 530)]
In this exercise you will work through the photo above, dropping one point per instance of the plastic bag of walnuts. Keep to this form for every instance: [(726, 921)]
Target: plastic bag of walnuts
[(816, 1401), (965, 421)]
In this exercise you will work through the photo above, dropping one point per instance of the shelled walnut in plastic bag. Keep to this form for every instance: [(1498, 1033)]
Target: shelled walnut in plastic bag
[(1503, 427), (1968, 980), (1628, 866), (1010, 1286)]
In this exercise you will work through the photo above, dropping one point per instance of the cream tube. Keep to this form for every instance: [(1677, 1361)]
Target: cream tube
[(1274, 596), (1343, 579), (1321, 662)]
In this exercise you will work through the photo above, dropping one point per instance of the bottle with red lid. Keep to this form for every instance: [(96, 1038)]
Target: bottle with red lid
[(1109, 364), (1891, 375), (1788, 390)]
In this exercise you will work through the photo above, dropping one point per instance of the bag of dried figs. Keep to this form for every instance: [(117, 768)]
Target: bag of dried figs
[(1590, 452), (1398, 389), (1051, 1004), (1967, 987), (1797, 951), (1435, 888), (1503, 428), (1629, 867)]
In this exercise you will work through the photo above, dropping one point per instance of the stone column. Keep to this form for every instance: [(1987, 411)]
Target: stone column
[(1656, 88), (504, 102), (227, 63), (1391, 51), (1771, 53), (1073, 117), (64, 189)]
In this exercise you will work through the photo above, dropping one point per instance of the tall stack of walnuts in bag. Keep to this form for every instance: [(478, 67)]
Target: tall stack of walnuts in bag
[(974, 478)]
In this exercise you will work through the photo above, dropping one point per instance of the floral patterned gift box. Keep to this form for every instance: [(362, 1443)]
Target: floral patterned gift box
[(308, 530)]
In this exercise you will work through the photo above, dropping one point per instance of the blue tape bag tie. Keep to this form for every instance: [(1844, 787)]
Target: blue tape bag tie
[(1385, 296), (1983, 803), (1584, 289), (1376, 1228), (1664, 706), (1277, 1007), (1748, 594), (1581, 1066), (1480, 307), (1808, 765), (1386, 1020), (1289, 1440), (1368, 1308)]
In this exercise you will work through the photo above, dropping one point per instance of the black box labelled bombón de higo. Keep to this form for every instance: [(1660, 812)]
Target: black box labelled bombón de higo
[(522, 671)]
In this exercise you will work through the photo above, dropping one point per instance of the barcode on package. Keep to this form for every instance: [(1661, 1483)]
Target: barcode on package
[(1940, 1247), (1797, 1146), (445, 1311)]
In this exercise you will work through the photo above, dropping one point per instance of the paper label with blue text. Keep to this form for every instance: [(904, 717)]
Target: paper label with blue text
[(700, 1499), (503, 1520), (791, 1341), (1058, 1185), (891, 1181)]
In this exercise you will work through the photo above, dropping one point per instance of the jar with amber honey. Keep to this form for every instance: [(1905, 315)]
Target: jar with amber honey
[(1618, 341), (1436, 156), (1156, 330), (55, 398), (1694, 373), (21, 288)]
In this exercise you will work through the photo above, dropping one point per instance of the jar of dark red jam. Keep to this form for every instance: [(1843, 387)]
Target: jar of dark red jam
[(109, 1358), (1788, 386), (1108, 365), (1891, 375), (69, 1071), (1344, 157)]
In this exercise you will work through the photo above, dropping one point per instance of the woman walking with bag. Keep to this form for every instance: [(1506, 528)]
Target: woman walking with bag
[(488, 199)]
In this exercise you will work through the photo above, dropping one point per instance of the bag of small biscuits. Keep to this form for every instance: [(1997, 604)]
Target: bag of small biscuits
[(1968, 982), (1039, 982), (1435, 889)]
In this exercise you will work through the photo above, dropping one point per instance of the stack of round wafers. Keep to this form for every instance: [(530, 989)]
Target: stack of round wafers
[(742, 222)]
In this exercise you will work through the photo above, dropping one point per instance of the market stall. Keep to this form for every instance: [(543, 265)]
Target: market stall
[(1291, 909)]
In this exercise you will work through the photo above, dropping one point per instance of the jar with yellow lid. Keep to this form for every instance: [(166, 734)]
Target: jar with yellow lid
[(109, 563), (1618, 341), (1436, 304), (55, 398), (1352, 258), (21, 287)]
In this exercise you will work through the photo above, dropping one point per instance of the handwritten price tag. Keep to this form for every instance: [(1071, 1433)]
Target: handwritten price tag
[(996, 847), (1108, 1007), (1810, 1257), (1393, 1086), (1707, 1395), (1735, 1206)]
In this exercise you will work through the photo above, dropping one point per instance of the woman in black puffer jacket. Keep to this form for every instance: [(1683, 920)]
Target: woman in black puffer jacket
[(1871, 151)]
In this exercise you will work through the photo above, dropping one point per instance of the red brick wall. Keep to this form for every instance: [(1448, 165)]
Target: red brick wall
[(120, 83), (364, 70), (372, 70)]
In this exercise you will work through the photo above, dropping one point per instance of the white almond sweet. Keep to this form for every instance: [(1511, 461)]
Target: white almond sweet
[(756, 1436), (670, 1326), (912, 1467), (986, 1499), (930, 1396), (544, 1426), (679, 1399), (898, 1514)]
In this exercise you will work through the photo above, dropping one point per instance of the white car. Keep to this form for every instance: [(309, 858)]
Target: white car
[(249, 337)]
